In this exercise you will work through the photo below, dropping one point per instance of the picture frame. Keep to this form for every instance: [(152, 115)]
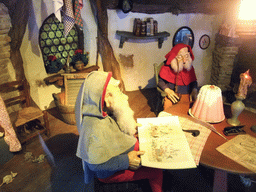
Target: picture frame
[(204, 41)]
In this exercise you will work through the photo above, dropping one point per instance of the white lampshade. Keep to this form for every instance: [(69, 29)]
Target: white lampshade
[(208, 106)]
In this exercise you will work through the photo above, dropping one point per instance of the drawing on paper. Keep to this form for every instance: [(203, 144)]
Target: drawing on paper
[(162, 148), (164, 143)]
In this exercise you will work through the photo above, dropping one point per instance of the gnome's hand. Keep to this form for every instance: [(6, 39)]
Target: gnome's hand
[(134, 159), (171, 95)]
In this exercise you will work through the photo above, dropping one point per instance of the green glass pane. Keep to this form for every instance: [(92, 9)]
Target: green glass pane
[(56, 41), (43, 35), (58, 33), (74, 46), (46, 27), (51, 35), (46, 50), (76, 38), (58, 55), (65, 54), (67, 47), (54, 27), (71, 53), (72, 32), (50, 20), (42, 43), (60, 48), (63, 61), (53, 49), (70, 39), (49, 42), (63, 41), (61, 26)]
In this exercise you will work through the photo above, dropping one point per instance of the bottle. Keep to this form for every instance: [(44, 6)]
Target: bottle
[(148, 28), (138, 28), (155, 27), (135, 25), (151, 26), (143, 28)]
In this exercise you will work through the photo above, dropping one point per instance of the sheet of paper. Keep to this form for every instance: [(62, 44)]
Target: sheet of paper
[(164, 143), (241, 149), (196, 144)]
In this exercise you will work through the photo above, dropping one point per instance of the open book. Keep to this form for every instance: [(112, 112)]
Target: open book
[(164, 143)]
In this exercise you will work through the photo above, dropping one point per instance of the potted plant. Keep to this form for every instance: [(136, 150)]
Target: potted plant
[(54, 64), (79, 59)]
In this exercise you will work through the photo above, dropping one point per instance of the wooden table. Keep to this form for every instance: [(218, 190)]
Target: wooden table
[(210, 156)]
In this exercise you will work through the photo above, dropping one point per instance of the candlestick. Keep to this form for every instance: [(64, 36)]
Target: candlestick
[(68, 65), (236, 109), (238, 106), (245, 82)]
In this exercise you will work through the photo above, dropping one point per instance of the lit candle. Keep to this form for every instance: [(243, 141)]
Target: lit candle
[(245, 82)]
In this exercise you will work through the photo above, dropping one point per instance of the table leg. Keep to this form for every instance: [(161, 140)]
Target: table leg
[(220, 182)]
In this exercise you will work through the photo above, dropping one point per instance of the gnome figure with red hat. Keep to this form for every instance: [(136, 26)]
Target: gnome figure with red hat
[(177, 76)]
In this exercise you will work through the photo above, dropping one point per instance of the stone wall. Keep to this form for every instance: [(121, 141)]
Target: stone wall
[(6, 68), (227, 54), (5, 25), (224, 55)]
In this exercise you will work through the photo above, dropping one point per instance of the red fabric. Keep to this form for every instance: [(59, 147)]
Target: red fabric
[(155, 176), (104, 93), (78, 5), (185, 77)]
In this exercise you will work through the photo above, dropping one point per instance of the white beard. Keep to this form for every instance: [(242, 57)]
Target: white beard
[(124, 115), (178, 68)]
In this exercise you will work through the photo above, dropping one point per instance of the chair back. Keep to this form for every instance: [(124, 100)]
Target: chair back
[(16, 92), (161, 93), (157, 68), (28, 121)]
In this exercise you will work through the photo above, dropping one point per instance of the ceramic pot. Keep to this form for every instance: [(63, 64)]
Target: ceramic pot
[(79, 65)]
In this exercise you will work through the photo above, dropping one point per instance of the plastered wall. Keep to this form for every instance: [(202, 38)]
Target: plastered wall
[(136, 58)]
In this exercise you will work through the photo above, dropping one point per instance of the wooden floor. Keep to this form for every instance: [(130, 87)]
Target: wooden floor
[(39, 177)]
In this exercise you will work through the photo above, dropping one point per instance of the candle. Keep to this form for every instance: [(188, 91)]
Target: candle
[(68, 61), (245, 82)]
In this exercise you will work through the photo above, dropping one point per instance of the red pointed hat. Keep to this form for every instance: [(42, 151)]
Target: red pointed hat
[(175, 50)]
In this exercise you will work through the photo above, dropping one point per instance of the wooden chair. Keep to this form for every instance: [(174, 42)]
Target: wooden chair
[(16, 95), (161, 94)]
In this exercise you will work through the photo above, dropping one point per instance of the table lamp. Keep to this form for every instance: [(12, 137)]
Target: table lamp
[(208, 106)]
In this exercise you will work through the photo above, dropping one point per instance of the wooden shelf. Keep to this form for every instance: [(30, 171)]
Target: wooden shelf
[(125, 35), (58, 79)]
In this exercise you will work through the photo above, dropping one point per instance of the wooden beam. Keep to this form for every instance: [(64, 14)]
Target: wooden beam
[(105, 49)]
